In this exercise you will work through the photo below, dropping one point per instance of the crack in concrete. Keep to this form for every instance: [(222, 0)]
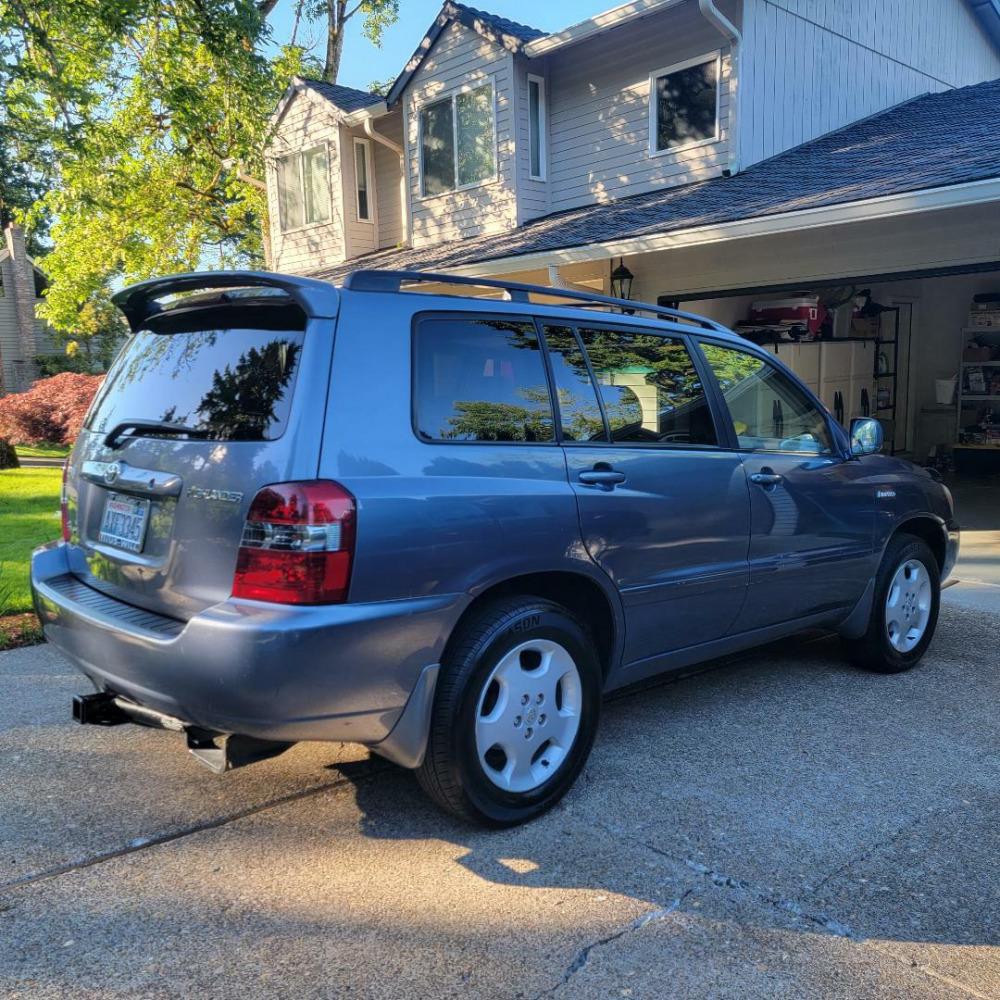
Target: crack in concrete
[(156, 840), (583, 955), (757, 893), (878, 846)]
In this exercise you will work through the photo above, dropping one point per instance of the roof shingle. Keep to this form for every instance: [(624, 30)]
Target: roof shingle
[(932, 141), (346, 98)]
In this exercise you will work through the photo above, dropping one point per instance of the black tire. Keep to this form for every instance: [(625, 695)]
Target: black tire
[(873, 651), (452, 773)]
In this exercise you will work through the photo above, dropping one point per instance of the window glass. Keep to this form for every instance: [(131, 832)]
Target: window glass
[(361, 178), (651, 390), (289, 193), (768, 410), (316, 185), (480, 380), (474, 115), (536, 125), (579, 411), (437, 147), (687, 105), (210, 372)]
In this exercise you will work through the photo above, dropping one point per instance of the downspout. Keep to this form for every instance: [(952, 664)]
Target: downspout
[(404, 200), (721, 23)]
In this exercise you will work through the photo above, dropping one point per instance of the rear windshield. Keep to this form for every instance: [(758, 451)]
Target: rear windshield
[(230, 383)]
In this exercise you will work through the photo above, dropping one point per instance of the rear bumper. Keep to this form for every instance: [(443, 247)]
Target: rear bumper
[(337, 672)]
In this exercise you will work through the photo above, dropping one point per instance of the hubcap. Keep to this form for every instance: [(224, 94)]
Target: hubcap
[(908, 605), (528, 715)]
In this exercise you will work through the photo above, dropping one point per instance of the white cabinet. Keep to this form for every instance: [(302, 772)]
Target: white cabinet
[(830, 367)]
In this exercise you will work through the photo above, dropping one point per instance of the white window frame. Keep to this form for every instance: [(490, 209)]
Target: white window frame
[(452, 95), (300, 155), (705, 57), (365, 144), (543, 128)]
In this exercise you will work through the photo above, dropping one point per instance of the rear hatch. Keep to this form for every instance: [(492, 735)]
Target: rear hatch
[(211, 399)]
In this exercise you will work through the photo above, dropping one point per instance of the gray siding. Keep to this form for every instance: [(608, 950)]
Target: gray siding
[(532, 195), (360, 237), (308, 121), (823, 65), (462, 58), (11, 351), (388, 173), (599, 110)]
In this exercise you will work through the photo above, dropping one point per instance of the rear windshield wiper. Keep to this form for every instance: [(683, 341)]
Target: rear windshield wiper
[(117, 433)]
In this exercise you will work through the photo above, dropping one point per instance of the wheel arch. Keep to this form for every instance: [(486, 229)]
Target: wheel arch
[(577, 592), (928, 529)]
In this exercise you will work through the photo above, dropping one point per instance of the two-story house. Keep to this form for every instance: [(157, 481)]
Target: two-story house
[(715, 152)]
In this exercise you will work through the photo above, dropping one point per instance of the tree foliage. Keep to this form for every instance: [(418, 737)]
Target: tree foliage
[(137, 127)]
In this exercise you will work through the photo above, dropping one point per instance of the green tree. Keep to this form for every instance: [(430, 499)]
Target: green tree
[(144, 122)]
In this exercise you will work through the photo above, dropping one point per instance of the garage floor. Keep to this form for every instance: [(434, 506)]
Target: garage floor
[(977, 505), (783, 826)]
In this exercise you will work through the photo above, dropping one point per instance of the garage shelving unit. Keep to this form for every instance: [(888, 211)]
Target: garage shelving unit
[(888, 379)]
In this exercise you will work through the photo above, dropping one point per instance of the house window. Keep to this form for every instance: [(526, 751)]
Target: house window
[(684, 104), (457, 141), (304, 188), (362, 178), (536, 127)]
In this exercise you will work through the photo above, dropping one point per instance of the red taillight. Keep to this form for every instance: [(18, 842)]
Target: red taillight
[(64, 504), (298, 542)]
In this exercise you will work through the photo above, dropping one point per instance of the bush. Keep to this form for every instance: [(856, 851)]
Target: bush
[(51, 410)]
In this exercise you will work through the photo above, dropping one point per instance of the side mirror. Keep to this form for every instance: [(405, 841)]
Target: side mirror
[(866, 436)]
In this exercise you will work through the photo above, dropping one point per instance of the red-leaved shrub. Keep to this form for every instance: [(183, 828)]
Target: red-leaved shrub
[(51, 410)]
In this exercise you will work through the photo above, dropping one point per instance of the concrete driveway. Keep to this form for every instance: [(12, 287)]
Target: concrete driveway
[(782, 826)]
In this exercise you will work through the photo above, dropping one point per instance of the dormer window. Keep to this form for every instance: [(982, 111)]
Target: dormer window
[(304, 189), (457, 141), (684, 104)]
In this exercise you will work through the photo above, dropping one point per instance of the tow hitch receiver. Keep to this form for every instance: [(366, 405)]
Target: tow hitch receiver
[(98, 710), (220, 752)]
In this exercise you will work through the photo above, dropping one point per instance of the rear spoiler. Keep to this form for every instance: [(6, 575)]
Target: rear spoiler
[(317, 299)]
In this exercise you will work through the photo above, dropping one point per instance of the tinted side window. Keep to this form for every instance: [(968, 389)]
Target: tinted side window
[(651, 389), (768, 410), (579, 411), (480, 380)]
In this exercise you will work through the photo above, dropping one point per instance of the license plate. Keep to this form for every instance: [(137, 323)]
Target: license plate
[(124, 522)]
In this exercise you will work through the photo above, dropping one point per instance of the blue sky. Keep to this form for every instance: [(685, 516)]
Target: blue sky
[(363, 63)]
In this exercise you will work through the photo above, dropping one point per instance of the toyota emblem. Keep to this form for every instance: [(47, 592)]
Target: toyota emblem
[(112, 472)]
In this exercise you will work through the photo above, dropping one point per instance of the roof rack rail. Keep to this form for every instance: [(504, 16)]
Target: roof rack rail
[(392, 281)]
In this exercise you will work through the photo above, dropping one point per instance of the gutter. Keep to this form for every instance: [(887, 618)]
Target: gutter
[(721, 23), (404, 200), (984, 192)]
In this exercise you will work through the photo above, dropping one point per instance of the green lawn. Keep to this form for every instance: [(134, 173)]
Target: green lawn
[(42, 450), (29, 515)]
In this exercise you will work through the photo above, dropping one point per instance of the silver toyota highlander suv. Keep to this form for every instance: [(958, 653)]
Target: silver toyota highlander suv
[(442, 526)]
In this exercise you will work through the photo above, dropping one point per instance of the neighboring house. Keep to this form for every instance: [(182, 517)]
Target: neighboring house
[(22, 335), (721, 150)]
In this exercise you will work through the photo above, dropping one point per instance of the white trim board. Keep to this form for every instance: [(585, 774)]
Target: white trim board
[(886, 206)]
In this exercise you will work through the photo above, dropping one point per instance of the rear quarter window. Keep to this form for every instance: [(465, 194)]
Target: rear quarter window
[(480, 379), (227, 374)]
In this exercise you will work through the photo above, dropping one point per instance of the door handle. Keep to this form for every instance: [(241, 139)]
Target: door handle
[(765, 478), (601, 477)]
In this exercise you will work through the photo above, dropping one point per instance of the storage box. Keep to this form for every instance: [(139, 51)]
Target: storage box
[(865, 326), (804, 310), (985, 317), (974, 353)]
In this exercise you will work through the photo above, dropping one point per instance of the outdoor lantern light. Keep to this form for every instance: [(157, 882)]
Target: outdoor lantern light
[(621, 281)]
